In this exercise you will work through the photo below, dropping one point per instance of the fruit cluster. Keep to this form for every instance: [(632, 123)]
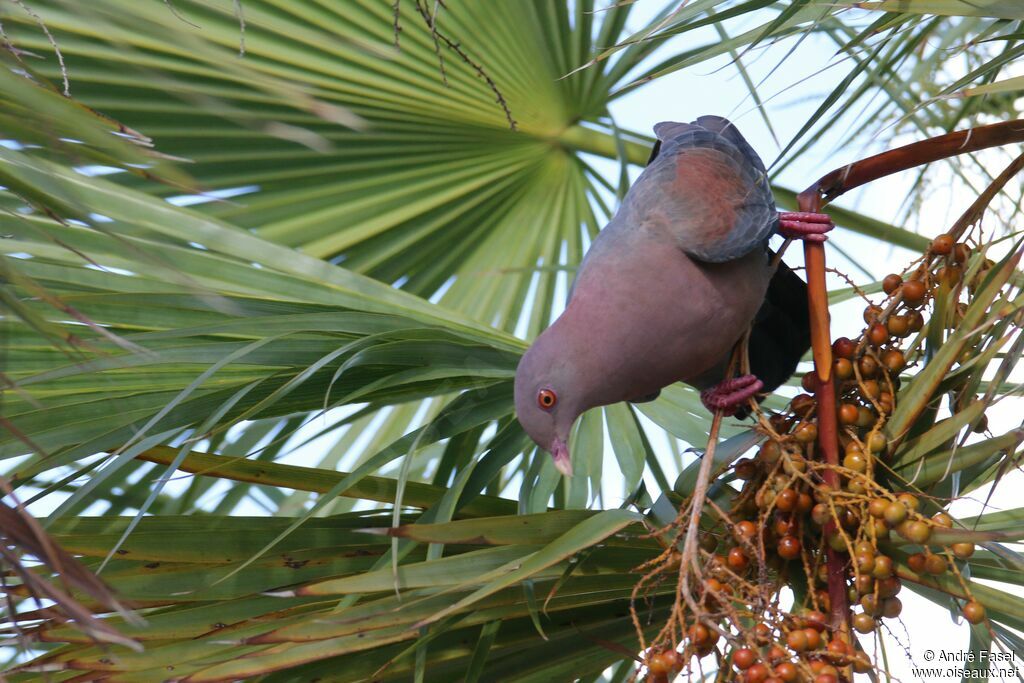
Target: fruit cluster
[(823, 530)]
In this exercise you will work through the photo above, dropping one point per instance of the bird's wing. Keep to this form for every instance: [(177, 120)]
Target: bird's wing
[(707, 188)]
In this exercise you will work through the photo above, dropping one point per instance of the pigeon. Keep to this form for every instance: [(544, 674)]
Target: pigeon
[(666, 290)]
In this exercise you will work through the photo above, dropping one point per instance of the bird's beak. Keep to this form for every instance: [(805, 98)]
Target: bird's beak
[(560, 453)]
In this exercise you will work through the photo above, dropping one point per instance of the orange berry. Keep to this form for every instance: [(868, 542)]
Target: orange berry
[(868, 367), (848, 414), (746, 529), (738, 560), (796, 640), (878, 334), (744, 658), (806, 432), (658, 665), (891, 283), (914, 293), (943, 244), (891, 608), (788, 547), (917, 562), (787, 671), (758, 673), (872, 313), (898, 326), (935, 564), (844, 347), (843, 368), (813, 638), (786, 500), (894, 360), (974, 612), (962, 550)]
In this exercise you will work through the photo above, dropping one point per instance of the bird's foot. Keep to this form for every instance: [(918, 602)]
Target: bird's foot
[(731, 394), (800, 225)]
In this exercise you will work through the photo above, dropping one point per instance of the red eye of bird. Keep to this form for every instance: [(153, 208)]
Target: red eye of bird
[(546, 399)]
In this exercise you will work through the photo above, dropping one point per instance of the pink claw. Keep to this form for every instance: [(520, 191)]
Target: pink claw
[(731, 394), (801, 225)]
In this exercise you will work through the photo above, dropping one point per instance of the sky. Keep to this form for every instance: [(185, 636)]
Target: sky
[(793, 92)]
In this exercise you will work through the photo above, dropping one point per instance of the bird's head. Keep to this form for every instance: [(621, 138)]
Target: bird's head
[(546, 404)]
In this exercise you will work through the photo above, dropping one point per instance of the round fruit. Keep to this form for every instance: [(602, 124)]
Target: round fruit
[(738, 560), (815, 619), (863, 623), (882, 568), (878, 334), (865, 417), (658, 665), (794, 462), (877, 442), (943, 520), (895, 513), (916, 321), (787, 671), (848, 413), (758, 673), (872, 313), (744, 658), (891, 283), (917, 562), (820, 514), (889, 588), (913, 292), (943, 244), (762, 632), (881, 530), (917, 532), (786, 500), (865, 562), (910, 501), (806, 432), (802, 404), (894, 360), (935, 564), (844, 347), (809, 382), (826, 678), (813, 638), (770, 452), (699, 634), (877, 506), (868, 367), (974, 612), (746, 529), (870, 604), (891, 608), (804, 502), (898, 326), (864, 584), (796, 640), (788, 547), (843, 368), (745, 469), (870, 389), (857, 463), (962, 550)]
